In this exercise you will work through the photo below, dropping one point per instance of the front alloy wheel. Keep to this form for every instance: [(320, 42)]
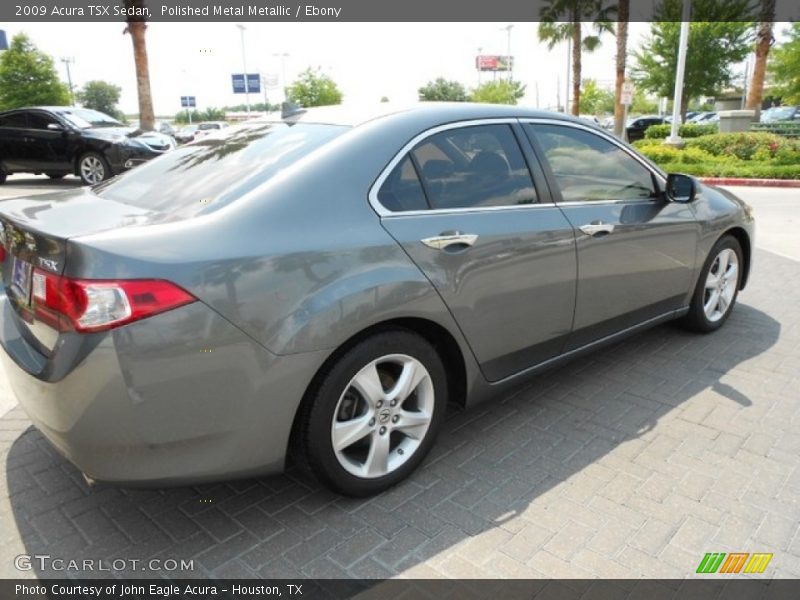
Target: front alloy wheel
[(373, 412), (721, 283), (92, 168)]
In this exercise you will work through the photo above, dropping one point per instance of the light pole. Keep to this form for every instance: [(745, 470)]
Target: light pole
[(478, 65), (683, 44), (283, 56), (244, 66), (569, 70), (67, 61), (508, 29)]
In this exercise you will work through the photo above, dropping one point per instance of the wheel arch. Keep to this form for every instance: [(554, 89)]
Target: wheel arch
[(743, 238), (438, 336)]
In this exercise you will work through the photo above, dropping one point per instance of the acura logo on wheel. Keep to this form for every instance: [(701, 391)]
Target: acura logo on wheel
[(384, 415)]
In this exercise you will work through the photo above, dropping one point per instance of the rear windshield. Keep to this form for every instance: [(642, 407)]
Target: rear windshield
[(207, 174)]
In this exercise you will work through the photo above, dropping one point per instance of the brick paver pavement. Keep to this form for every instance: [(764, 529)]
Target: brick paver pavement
[(631, 462)]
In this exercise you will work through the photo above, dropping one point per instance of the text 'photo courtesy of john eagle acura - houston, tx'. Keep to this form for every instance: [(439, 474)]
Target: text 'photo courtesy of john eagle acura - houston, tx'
[(320, 284)]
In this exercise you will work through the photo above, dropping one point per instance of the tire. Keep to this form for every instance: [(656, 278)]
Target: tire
[(3, 176), (56, 175), (357, 388), (93, 168), (701, 318)]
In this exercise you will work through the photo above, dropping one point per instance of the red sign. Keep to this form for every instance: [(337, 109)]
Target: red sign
[(494, 62)]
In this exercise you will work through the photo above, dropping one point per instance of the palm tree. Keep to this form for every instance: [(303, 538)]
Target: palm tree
[(764, 41), (623, 13), (553, 31), (136, 27)]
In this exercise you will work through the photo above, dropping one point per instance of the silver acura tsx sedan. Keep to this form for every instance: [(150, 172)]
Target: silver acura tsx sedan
[(322, 283)]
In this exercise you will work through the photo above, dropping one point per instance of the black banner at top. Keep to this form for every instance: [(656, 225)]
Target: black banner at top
[(372, 10)]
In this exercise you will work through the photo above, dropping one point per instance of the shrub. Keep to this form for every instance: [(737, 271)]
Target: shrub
[(661, 154), (784, 128), (742, 145), (687, 130)]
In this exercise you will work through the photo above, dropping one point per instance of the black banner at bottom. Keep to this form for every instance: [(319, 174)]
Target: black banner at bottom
[(340, 589)]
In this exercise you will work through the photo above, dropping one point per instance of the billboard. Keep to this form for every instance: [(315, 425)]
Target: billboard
[(494, 62)]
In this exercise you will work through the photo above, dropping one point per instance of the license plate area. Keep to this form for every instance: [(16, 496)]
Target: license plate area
[(21, 280)]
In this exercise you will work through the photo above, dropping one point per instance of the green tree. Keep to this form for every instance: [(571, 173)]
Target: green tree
[(594, 99), (785, 66), (642, 103), (718, 39), (313, 88), (443, 90), (564, 20), (500, 91), (102, 96), (28, 77), (209, 114)]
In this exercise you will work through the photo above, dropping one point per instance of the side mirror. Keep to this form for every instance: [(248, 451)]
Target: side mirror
[(680, 188), (55, 127)]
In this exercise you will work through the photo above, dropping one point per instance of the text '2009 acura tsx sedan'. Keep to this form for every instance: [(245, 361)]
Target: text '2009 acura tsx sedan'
[(323, 282)]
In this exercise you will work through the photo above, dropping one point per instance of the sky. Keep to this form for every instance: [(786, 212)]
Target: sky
[(367, 60)]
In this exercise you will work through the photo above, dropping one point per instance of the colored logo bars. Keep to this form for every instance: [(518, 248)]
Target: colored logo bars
[(736, 562)]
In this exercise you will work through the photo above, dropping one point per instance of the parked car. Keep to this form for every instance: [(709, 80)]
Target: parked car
[(330, 281), (160, 127), (780, 113), (198, 130), (704, 118), (638, 125), (63, 140)]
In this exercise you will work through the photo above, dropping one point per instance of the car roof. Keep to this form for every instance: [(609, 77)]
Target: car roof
[(354, 115)]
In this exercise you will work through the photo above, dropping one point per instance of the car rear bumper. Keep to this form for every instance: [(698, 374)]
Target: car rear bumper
[(181, 397)]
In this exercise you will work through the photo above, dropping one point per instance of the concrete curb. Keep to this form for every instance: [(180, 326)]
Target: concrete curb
[(775, 183)]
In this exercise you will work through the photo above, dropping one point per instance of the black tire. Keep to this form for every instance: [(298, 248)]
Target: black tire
[(314, 434), (696, 319), (102, 161), (3, 176), (56, 175)]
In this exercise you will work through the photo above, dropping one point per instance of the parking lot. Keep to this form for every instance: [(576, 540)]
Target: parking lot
[(634, 461)]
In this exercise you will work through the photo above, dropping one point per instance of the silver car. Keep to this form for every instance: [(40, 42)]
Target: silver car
[(321, 284)]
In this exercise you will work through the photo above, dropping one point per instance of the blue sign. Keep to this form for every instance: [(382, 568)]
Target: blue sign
[(253, 83), (188, 101), (3, 40)]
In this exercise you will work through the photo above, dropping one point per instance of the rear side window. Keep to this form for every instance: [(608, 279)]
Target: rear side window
[(474, 167), (211, 172), (14, 120), (402, 190)]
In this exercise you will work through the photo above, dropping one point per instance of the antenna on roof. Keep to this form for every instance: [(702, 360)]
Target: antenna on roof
[(290, 109)]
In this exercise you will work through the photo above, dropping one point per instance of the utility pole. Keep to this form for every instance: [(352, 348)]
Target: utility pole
[(478, 66), (283, 56), (244, 66), (677, 101), (67, 61), (569, 71), (508, 29)]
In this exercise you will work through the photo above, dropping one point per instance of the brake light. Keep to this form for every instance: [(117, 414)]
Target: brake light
[(89, 305)]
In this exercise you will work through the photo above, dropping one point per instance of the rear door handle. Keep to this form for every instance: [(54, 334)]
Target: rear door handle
[(446, 240), (597, 228)]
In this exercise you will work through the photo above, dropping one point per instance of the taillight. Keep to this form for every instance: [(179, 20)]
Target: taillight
[(88, 305)]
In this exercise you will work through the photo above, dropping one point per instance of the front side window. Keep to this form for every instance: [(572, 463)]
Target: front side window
[(474, 167), (588, 167), (39, 121), (15, 120)]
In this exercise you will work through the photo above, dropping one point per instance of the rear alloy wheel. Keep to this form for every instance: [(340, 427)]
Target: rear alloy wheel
[(375, 414), (93, 168), (717, 287)]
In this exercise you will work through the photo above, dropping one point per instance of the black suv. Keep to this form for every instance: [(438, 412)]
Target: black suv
[(637, 127), (63, 140)]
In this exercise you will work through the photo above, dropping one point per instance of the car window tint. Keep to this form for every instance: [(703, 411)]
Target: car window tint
[(588, 167), (14, 120), (39, 121), (474, 167), (402, 190), (217, 170)]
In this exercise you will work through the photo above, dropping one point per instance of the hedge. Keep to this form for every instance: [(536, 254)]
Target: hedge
[(687, 130), (784, 128), (747, 154)]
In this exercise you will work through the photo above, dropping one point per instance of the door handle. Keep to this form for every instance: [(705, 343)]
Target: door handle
[(597, 228), (445, 240)]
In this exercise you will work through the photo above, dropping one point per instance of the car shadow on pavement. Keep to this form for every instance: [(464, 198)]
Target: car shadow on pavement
[(502, 469), (51, 185)]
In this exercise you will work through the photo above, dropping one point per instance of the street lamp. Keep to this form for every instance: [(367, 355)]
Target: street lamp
[(683, 44), (67, 61), (244, 66), (283, 56), (508, 29)]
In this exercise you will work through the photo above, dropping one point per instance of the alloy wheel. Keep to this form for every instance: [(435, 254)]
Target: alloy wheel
[(721, 283), (382, 416), (92, 169)]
